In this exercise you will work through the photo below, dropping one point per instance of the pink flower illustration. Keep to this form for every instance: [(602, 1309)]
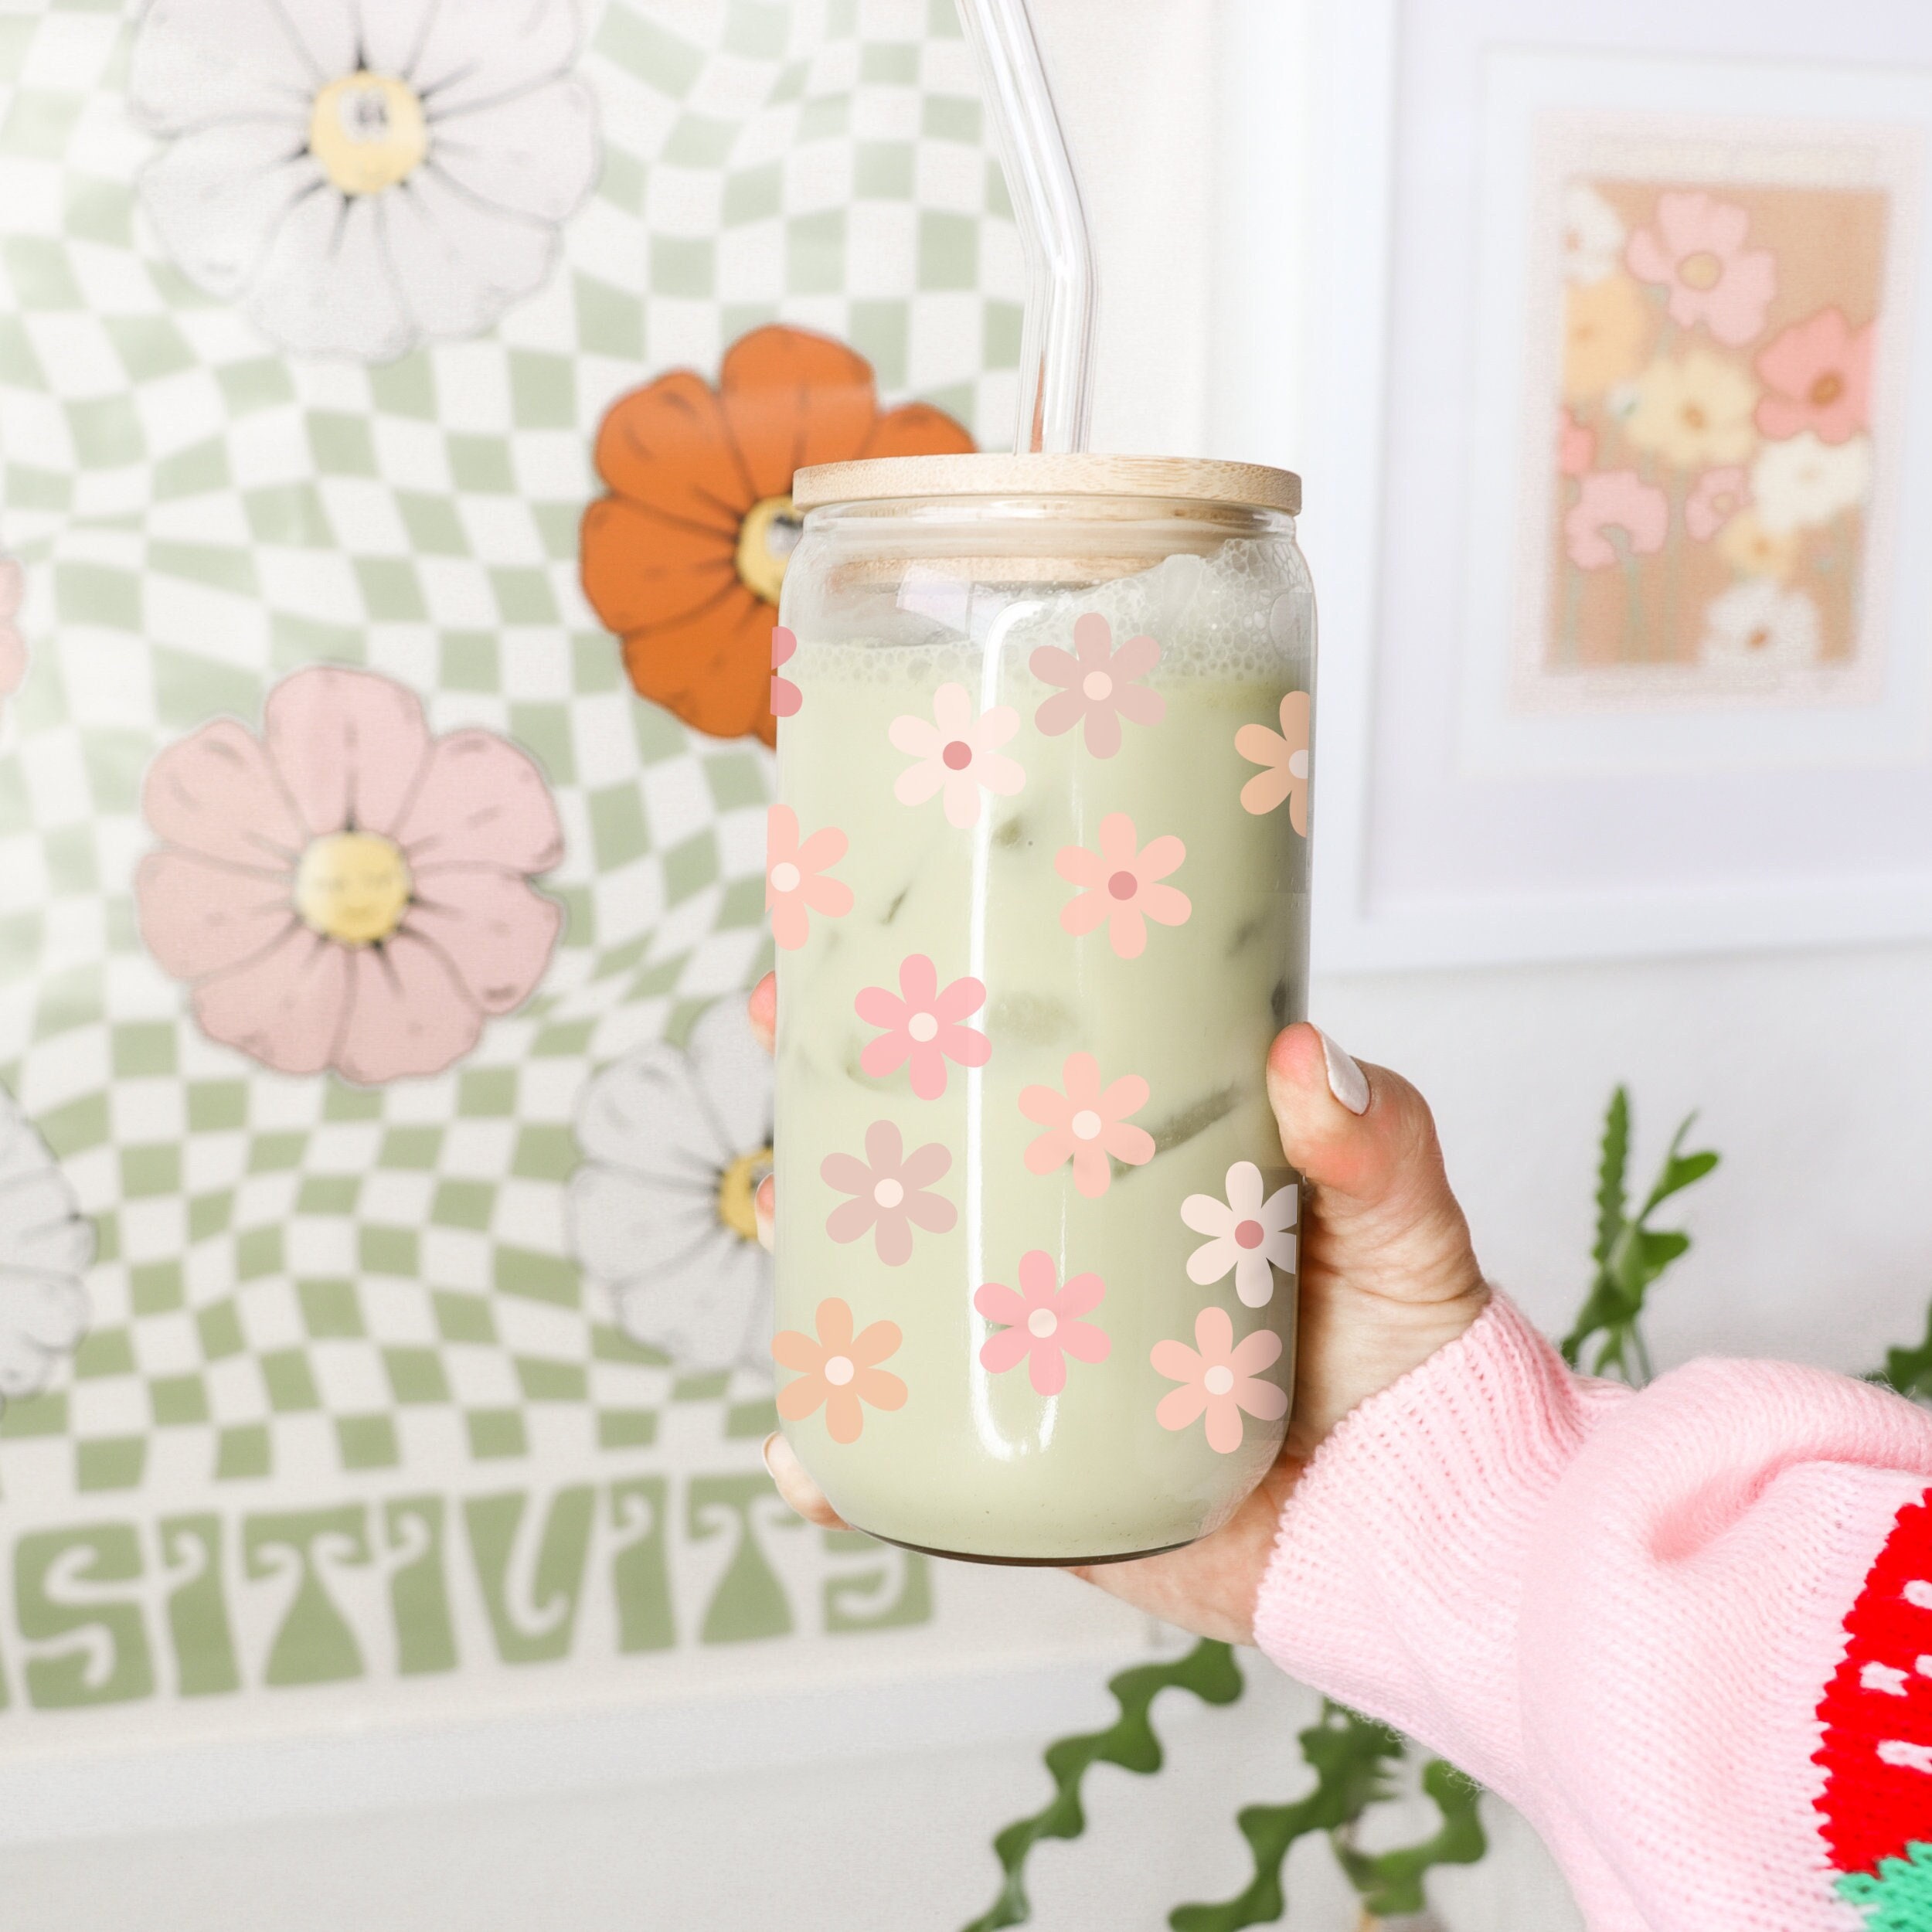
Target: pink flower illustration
[(1121, 886), (1818, 376), (346, 890), (1087, 1124), (956, 753), (1252, 1230), (1042, 1325), (888, 1190), (1718, 496), (839, 1369), (13, 651), (786, 697), (921, 1025), (1218, 1376), (797, 881), (1284, 756), (1575, 445), (1697, 252), (1099, 685), (1618, 498)]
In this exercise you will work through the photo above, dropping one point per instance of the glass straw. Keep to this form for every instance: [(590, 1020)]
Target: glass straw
[(1056, 341)]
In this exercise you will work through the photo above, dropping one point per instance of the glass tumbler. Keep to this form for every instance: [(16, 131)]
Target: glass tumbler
[(1038, 879)]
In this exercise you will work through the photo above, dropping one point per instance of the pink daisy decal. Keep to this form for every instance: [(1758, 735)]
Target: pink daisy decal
[(888, 1188), (797, 880), (347, 891), (1697, 251), (1042, 1327), (1099, 685), (1253, 1231), (1284, 756), (923, 1024), (1087, 1124), (1218, 1379), (786, 697), (838, 1370), (13, 652), (956, 754), (1121, 886)]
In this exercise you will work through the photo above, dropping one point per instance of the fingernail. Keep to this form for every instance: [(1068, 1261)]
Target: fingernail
[(762, 1203), (764, 1454), (1346, 1081)]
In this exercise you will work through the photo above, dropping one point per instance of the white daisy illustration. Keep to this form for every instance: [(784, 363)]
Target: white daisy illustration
[(1253, 1232), (1802, 482), (45, 1245), (359, 177), (1759, 624), (1592, 236), (674, 1143)]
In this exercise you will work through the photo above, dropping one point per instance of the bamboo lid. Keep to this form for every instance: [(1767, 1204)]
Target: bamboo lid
[(1185, 477)]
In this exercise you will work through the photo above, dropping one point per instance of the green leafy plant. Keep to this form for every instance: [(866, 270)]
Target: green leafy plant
[(1908, 1372)]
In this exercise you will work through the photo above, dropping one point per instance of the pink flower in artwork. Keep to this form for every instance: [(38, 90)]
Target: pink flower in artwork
[(13, 652), (1121, 886), (1253, 1233), (923, 1024), (796, 876), (1219, 1378), (786, 697), (1087, 1124), (889, 1190), (1619, 499), (1718, 496), (1575, 445), (346, 890), (956, 754), (1043, 1323), (838, 1370), (1697, 251), (1818, 376), (1099, 685), (1284, 756)]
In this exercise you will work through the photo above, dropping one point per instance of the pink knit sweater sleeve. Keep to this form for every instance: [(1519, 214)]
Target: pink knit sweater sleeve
[(1687, 1632)]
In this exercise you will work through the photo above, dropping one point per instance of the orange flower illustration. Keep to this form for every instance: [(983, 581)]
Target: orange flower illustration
[(839, 1369), (684, 559)]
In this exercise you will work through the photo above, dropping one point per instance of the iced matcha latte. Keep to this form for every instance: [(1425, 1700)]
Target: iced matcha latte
[(1038, 879)]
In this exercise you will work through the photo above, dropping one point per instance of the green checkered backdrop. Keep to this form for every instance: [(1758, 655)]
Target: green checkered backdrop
[(346, 1410)]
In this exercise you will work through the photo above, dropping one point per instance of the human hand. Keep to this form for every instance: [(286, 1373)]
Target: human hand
[(1387, 1276)]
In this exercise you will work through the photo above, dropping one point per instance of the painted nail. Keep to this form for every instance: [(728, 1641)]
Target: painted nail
[(763, 1203), (1346, 1081), (764, 1454)]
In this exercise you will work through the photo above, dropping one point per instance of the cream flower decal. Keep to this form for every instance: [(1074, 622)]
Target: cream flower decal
[(956, 754), (1253, 1231), (1757, 624), (676, 1143), (346, 890), (1284, 757), (358, 178), (46, 1246)]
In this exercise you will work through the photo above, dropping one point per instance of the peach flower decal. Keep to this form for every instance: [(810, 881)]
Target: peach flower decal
[(347, 891), (839, 1370), (1253, 1231), (797, 884), (1087, 1125), (1121, 888), (1697, 251), (13, 652), (1042, 1324), (1218, 1379), (1614, 499), (1818, 374), (889, 1193), (1284, 755), (923, 1024), (786, 697), (956, 753), (1099, 685), (1718, 496)]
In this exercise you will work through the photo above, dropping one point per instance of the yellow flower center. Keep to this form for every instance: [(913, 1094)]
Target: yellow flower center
[(352, 886), (738, 1187), (368, 132), (766, 540), (1702, 270)]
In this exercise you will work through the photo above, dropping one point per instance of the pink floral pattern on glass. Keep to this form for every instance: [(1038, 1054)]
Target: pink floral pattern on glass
[(1253, 1234), (922, 1023), (1284, 756), (1087, 1124), (1099, 685), (1614, 499), (1818, 376), (956, 755), (889, 1193), (838, 1370), (786, 697), (1042, 1323), (1218, 1379), (1121, 886), (798, 882), (1697, 251), (347, 890), (1719, 495)]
